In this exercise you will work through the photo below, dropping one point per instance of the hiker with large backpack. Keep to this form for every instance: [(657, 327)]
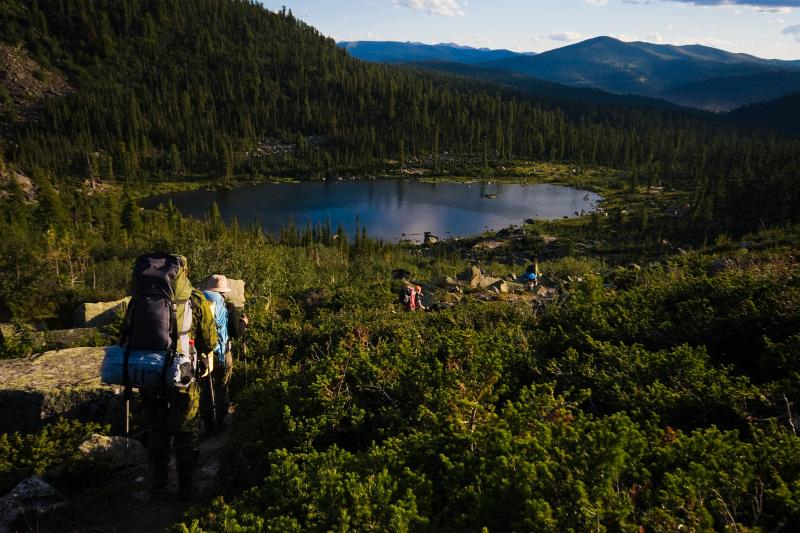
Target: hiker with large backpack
[(167, 325), (230, 324)]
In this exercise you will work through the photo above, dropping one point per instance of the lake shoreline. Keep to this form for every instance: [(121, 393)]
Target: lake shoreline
[(391, 209), (600, 180)]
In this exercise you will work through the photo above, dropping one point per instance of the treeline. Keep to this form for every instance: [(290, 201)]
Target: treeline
[(166, 88)]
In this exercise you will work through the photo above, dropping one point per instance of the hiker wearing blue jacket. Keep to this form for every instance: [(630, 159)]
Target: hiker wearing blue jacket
[(230, 325)]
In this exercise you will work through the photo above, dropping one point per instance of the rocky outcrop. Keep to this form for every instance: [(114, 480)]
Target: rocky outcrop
[(92, 315), (56, 383), (30, 496), (27, 84)]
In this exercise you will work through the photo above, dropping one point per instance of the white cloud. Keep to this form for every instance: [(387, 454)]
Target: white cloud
[(779, 10), (763, 4), (445, 8), (794, 31), (565, 36), (656, 38), (597, 2)]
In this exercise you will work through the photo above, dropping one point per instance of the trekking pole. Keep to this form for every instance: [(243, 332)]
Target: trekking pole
[(213, 403), (127, 396), (244, 357)]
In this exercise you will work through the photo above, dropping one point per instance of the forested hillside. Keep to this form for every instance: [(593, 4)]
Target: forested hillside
[(649, 382), (162, 88)]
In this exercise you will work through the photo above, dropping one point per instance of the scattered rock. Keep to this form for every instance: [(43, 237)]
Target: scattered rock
[(30, 496), (486, 282), (488, 245), (516, 287), (114, 452), (500, 286), (720, 265), (92, 315), (510, 232), (472, 276), (530, 221), (546, 293), (447, 283), (430, 238)]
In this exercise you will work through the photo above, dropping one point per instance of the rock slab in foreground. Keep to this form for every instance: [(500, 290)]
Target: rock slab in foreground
[(29, 496), (114, 452), (57, 383)]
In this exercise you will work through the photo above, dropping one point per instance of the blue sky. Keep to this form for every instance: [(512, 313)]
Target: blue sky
[(766, 28)]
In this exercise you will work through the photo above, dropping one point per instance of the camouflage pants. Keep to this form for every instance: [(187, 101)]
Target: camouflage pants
[(221, 376), (173, 421)]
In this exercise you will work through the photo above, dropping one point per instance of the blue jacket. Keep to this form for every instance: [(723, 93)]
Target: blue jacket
[(221, 320)]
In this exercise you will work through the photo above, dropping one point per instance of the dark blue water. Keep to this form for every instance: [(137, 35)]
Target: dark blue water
[(390, 209)]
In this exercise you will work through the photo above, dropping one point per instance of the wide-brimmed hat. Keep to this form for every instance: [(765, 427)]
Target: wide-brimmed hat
[(216, 283)]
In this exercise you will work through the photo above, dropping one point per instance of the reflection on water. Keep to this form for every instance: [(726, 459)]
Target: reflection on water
[(388, 208)]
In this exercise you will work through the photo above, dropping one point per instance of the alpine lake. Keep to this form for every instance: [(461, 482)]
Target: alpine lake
[(391, 209)]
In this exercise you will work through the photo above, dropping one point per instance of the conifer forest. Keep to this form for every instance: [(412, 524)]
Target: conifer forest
[(655, 388)]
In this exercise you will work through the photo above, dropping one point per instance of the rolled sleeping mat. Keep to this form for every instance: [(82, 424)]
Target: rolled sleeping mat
[(146, 368)]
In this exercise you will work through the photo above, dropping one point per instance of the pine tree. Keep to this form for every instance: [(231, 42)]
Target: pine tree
[(51, 211), (131, 217)]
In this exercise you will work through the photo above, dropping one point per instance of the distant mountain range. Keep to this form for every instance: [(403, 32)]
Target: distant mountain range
[(398, 52), (696, 76)]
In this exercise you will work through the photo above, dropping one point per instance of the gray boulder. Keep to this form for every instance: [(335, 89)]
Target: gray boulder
[(546, 293), (7, 331), (430, 238), (114, 452), (93, 315), (448, 283), (500, 286), (30, 496), (471, 276), (487, 282), (236, 296)]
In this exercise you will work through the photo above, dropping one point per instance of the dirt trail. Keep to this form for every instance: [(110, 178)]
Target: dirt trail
[(125, 504)]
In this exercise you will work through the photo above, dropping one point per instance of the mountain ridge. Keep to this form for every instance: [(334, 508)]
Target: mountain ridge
[(403, 52), (611, 65)]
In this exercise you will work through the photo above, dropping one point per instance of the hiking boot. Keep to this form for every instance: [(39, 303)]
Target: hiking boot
[(186, 488), (159, 477)]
